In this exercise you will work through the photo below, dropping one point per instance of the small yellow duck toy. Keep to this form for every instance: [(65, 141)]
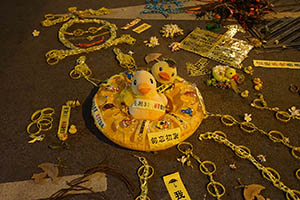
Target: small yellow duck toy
[(147, 103), (164, 71)]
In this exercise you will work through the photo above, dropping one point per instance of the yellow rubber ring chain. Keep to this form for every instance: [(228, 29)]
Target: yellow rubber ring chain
[(261, 104), (144, 173), (208, 168), (243, 152), (42, 119), (248, 127)]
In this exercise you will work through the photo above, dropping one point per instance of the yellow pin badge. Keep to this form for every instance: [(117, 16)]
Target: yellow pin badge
[(176, 187)]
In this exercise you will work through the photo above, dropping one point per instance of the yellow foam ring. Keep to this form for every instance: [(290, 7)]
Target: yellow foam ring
[(47, 111), (270, 174), (242, 151), (183, 150), (29, 127), (294, 150), (36, 115), (45, 124), (145, 175), (283, 116), (205, 136), (205, 169), (276, 136), (248, 127), (52, 57), (228, 120), (298, 174), (216, 192), (293, 195)]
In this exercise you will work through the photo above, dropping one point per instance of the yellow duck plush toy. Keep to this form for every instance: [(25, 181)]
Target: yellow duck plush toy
[(147, 103), (164, 72)]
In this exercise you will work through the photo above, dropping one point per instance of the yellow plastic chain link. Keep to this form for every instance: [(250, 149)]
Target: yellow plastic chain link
[(145, 172), (243, 152), (54, 56), (42, 119), (82, 70), (298, 174), (248, 127), (261, 104), (216, 189)]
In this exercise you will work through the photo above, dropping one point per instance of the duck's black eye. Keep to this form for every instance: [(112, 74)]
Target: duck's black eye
[(134, 82), (173, 74), (151, 80), (160, 69)]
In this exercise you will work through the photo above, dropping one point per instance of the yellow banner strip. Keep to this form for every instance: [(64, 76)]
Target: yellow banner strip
[(276, 64)]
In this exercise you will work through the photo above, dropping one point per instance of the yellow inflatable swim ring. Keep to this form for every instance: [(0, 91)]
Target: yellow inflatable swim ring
[(184, 113)]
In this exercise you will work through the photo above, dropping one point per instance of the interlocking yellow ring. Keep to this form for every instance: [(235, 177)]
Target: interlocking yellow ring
[(283, 116), (47, 111), (205, 170), (149, 175), (221, 136), (242, 151), (294, 150), (269, 173), (216, 192), (29, 127), (230, 120), (185, 151), (293, 195), (248, 127), (259, 103), (298, 174), (45, 124), (272, 135)]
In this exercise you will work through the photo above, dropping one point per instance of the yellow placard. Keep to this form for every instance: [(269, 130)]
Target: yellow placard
[(64, 122), (176, 187), (141, 28), (141, 131), (169, 136), (276, 64)]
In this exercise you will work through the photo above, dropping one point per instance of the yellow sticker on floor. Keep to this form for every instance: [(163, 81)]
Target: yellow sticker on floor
[(169, 136), (276, 64), (176, 187)]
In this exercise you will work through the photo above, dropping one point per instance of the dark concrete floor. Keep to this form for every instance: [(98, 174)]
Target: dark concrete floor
[(28, 83)]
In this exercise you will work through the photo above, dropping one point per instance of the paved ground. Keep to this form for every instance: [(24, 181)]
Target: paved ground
[(28, 83)]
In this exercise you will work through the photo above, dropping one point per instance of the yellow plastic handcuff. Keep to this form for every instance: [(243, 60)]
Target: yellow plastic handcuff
[(42, 119), (261, 104)]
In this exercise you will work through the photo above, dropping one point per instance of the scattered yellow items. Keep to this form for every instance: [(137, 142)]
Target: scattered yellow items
[(72, 129), (131, 24), (141, 28), (171, 30), (176, 187)]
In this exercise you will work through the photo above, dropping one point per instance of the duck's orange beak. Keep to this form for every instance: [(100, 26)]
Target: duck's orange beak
[(164, 76), (144, 88)]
